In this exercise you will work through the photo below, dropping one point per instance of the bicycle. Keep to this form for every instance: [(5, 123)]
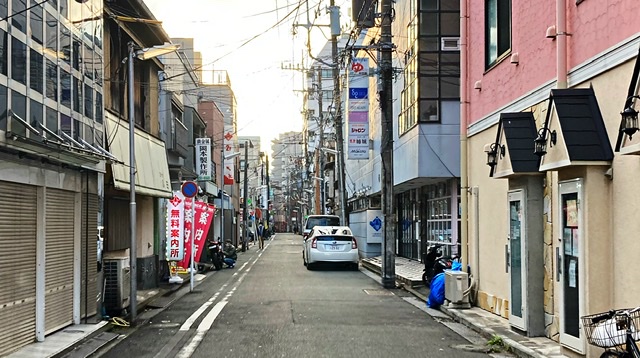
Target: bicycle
[(616, 331)]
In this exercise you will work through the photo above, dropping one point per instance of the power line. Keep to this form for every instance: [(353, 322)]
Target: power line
[(24, 10)]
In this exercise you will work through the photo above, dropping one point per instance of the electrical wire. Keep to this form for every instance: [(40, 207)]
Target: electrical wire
[(24, 10)]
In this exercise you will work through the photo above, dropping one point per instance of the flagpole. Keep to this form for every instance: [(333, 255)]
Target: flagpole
[(193, 229)]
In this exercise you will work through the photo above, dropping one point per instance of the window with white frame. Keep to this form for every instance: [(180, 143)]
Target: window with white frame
[(497, 30)]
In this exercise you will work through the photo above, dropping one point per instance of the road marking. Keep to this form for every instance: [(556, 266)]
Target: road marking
[(188, 350), (203, 328)]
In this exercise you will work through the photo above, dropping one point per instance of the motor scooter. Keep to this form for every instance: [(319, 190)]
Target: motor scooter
[(215, 254), (434, 263)]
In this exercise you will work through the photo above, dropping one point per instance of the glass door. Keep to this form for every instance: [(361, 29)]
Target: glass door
[(516, 261), (568, 262)]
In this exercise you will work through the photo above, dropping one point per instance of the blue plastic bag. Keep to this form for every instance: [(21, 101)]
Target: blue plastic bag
[(436, 294)]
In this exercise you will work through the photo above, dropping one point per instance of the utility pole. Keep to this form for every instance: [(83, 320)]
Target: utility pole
[(386, 106), (245, 194), (337, 103), (320, 168), (268, 196)]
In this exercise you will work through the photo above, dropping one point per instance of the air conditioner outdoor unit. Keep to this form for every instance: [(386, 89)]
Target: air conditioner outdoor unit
[(455, 284), (117, 284)]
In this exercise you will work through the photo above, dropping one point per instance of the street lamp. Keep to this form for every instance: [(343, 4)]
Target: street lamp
[(343, 213), (141, 54), (222, 159)]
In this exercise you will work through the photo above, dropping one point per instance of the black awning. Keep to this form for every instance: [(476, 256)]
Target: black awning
[(516, 132), (580, 120)]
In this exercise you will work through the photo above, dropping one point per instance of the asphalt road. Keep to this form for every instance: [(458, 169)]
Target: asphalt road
[(270, 305)]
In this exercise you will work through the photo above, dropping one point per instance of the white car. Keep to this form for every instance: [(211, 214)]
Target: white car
[(334, 244)]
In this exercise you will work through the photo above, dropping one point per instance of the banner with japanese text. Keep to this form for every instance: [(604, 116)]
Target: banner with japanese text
[(229, 148), (203, 216), (175, 227), (358, 109), (188, 203)]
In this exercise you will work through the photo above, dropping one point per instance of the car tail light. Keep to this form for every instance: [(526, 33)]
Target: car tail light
[(354, 244), (314, 244)]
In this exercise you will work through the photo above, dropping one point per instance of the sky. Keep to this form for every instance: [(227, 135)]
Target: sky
[(269, 98)]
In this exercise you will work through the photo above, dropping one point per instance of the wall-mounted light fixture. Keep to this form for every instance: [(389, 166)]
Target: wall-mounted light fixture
[(478, 85), (540, 147), (629, 124), (495, 150)]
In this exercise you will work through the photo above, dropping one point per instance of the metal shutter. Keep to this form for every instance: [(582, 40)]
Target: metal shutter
[(17, 264), (89, 234), (60, 208)]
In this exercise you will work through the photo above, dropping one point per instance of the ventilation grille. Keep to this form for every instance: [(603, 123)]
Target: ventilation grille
[(450, 44)]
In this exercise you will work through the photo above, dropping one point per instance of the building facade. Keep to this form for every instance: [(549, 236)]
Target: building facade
[(541, 103), (52, 149)]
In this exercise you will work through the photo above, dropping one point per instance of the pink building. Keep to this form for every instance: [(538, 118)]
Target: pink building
[(550, 232)]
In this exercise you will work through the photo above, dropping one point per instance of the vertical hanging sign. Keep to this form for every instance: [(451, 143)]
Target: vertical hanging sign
[(203, 158), (229, 140), (175, 227), (358, 109)]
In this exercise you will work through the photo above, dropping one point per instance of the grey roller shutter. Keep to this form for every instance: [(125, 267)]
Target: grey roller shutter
[(89, 235), (59, 232), (17, 265)]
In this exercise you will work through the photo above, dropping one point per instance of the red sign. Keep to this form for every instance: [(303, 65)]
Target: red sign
[(175, 227), (203, 217)]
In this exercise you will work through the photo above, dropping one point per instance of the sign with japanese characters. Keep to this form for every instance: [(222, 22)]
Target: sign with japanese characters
[(229, 145), (175, 227), (358, 110), (203, 158), (196, 223)]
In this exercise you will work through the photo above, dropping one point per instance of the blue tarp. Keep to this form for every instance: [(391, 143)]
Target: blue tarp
[(436, 293)]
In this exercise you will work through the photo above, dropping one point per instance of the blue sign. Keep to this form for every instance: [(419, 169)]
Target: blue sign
[(358, 93), (376, 224), (189, 189)]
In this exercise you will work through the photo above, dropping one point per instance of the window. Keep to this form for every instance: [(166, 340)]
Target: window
[(65, 84), (51, 34), (36, 24), (497, 30), (36, 76), (3, 108), (19, 18), (19, 61), (77, 95), (52, 119), (98, 107), (35, 116), (88, 101), (19, 107), (52, 80), (4, 50)]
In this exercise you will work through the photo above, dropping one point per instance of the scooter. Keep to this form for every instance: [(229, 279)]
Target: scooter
[(216, 255), (434, 263)]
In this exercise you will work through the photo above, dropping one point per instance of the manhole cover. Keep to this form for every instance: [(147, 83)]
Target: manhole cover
[(378, 292)]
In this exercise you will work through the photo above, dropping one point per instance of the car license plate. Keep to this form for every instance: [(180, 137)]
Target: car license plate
[(334, 247)]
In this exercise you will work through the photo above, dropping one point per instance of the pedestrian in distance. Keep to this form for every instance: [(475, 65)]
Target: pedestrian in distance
[(260, 236), (230, 254)]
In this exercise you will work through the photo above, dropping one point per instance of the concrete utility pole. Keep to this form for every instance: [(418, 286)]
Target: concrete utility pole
[(320, 168), (268, 196), (386, 106), (337, 103), (245, 194)]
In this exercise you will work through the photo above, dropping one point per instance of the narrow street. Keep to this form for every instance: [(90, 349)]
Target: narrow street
[(270, 305)]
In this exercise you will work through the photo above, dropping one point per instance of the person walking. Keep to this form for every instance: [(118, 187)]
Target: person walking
[(260, 236)]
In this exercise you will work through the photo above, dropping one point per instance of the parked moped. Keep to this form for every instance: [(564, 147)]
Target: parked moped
[(435, 263)]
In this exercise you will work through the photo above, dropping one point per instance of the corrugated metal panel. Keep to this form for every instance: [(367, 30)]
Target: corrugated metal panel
[(88, 306), (59, 259), (17, 264)]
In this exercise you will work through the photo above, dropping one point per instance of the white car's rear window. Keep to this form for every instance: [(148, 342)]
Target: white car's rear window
[(311, 222)]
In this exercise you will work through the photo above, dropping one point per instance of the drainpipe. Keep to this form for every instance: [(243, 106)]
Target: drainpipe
[(464, 103), (561, 36)]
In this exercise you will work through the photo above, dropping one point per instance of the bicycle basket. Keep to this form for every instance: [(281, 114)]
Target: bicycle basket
[(608, 330)]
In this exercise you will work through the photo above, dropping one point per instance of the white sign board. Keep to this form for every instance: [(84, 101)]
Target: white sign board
[(203, 159)]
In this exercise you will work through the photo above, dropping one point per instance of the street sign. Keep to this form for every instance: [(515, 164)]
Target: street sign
[(189, 189)]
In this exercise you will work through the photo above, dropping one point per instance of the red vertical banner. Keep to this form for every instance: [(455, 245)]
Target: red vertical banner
[(188, 225), (204, 216)]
